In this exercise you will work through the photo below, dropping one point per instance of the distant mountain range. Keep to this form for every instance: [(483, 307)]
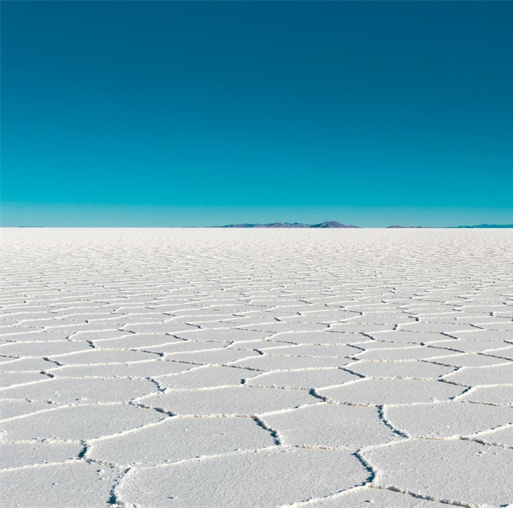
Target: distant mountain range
[(485, 226), (322, 225), (334, 224)]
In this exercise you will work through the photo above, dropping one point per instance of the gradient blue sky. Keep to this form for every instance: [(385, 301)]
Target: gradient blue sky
[(205, 113)]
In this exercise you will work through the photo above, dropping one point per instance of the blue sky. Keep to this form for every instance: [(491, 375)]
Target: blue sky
[(205, 113)]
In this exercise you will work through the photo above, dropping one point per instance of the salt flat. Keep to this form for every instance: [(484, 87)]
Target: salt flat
[(233, 368)]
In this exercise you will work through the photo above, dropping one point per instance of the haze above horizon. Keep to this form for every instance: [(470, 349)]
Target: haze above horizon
[(212, 113)]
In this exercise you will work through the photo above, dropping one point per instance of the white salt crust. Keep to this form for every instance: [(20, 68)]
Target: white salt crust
[(233, 368)]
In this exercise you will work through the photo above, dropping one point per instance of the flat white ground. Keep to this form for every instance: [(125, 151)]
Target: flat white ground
[(234, 368)]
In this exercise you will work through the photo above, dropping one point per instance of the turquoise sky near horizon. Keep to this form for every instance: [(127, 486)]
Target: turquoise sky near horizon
[(207, 113)]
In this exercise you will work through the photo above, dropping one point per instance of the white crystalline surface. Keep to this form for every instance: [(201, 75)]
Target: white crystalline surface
[(256, 368)]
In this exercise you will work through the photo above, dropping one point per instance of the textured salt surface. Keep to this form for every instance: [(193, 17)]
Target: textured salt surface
[(338, 368)]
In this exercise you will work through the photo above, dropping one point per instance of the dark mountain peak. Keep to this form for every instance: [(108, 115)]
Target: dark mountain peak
[(331, 224), (322, 225)]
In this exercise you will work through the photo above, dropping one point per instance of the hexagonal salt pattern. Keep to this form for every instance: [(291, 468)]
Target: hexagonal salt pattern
[(234, 368)]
